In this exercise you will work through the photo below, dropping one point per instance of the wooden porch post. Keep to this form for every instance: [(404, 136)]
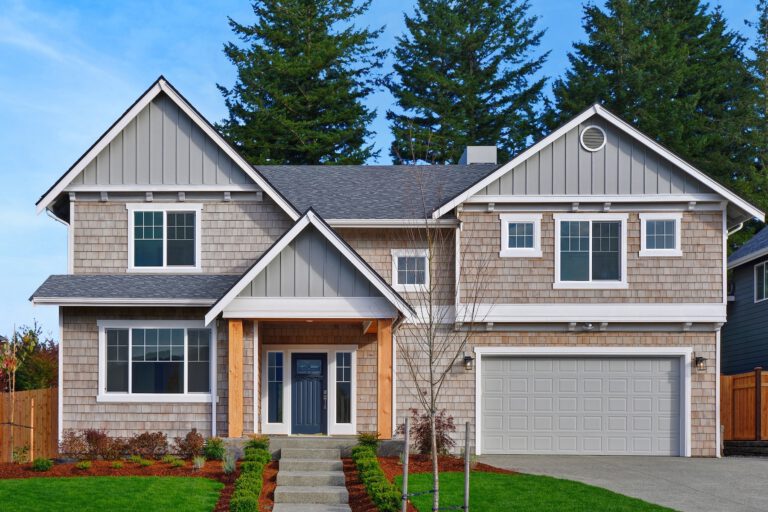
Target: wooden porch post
[(235, 379), (384, 381)]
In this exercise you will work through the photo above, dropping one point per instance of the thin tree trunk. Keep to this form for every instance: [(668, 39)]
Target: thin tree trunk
[(435, 470)]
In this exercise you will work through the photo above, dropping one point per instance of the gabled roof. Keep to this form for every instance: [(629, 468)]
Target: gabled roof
[(597, 110), (313, 219), (755, 248), (161, 85), (372, 191)]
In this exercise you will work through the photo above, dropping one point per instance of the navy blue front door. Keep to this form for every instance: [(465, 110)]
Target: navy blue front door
[(309, 394)]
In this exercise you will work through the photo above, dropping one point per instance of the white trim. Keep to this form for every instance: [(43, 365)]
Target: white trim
[(717, 395), (256, 375), (457, 268), (410, 253), (332, 428), (308, 218), (391, 223), (71, 239), (162, 85), (714, 312), (309, 307), (675, 216), (60, 419), (118, 302), (726, 234), (164, 188), (581, 138), (214, 377), (685, 354), (196, 208), (591, 284), (625, 127), (749, 257), (764, 265), (525, 218), (130, 397), (601, 199)]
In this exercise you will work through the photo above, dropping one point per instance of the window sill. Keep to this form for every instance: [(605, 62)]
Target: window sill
[(590, 285), (410, 287), (520, 253), (660, 253), (155, 398), (164, 270)]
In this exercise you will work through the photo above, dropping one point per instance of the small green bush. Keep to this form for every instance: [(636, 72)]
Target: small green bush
[(20, 454), (145, 463), (257, 455), (198, 462), (169, 459), (249, 483), (214, 448), (177, 463), (42, 464), (229, 464), (116, 465), (244, 502), (368, 439), (385, 495), (136, 459), (83, 464), (259, 442)]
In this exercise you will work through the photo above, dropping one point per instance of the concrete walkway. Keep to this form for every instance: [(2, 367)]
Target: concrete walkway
[(731, 484)]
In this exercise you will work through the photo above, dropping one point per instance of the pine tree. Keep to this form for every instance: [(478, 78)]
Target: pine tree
[(303, 72), (674, 70), (464, 75), (759, 66)]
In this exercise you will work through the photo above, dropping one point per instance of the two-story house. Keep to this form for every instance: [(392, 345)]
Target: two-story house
[(205, 292)]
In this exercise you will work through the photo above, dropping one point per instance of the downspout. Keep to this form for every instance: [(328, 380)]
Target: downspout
[(736, 229)]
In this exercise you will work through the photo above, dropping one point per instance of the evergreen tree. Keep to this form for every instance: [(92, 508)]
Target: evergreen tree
[(303, 71), (674, 70), (464, 75), (759, 66)]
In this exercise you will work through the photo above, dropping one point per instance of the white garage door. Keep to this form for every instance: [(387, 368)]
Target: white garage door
[(615, 406)]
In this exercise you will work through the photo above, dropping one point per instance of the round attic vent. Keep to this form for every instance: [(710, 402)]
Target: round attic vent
[(593, 138)]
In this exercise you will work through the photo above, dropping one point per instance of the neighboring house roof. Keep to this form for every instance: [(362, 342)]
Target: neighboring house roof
[(161, 86), (745, 209), (755, 248), (140, 289), (372, 191), (310, 218)]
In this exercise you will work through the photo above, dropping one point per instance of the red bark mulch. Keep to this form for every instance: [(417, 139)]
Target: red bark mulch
[(359, 501), (267, 497)]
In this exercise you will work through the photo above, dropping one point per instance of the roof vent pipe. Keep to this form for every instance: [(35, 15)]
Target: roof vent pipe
[(478, 155)]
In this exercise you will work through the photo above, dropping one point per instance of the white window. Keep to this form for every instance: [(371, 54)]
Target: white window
[(520, 235), (410, 270), (163, 237), (155, 361), (590, 250), (761, 281), (660, 234)]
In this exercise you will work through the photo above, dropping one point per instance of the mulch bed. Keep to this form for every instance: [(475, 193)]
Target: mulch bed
[(267, 497), (359, 501)]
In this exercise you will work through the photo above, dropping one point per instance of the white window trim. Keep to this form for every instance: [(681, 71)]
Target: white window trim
[(763, 266), (186, 397), (332, 428), (505, 251), (165, 208), (675, 216), (398, 253), (591, 285)]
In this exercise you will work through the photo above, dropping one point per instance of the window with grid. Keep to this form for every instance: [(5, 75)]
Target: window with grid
[(275, 387), (520, 235), (343, 387), (164, 238), (148, 239), (181, 238), (660, 234), (590, 250), (761, 281), (198, 360), (411, 270), (117, 360), (157, 360)]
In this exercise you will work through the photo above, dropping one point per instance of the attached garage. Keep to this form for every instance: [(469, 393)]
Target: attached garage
[(583, 402)]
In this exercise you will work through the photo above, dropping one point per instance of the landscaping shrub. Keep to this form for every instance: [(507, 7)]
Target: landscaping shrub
[(383, 494), (191, 445), (135, 459), (145, 463), (257, 455), (229, 463), (148, 445), (96, 440), (169, 459), (42, 464), (368, 439), (422, 436), (20, 454), (73, 445), (83, 464), (177, 463), (198, 462), (258, 442), (116, 465), (214, 448), (248, 484)]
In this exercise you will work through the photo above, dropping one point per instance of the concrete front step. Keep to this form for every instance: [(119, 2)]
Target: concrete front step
[(305, 507), (310, 453), (324, 495), (310, 465), (312, 478)]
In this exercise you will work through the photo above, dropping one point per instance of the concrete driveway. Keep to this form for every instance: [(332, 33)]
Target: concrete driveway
[(731, 484)]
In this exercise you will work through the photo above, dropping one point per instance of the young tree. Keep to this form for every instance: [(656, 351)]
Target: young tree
[(465, 74), (673, 69), (303, 71), (9, 363)]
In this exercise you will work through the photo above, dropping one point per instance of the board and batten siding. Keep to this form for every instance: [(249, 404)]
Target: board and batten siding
[(744, 341), (162, 146), (310, 266), (623, 167)]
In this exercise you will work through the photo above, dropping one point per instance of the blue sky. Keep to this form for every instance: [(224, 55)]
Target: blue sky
[(69, 69)]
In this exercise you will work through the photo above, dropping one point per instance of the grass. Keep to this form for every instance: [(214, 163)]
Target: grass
[(491, 492), (99, 494)]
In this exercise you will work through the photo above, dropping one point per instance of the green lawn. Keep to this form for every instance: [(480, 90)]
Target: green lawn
[(107, 493), (491, 492)]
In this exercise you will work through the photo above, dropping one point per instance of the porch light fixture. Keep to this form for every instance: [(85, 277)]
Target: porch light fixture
[(701, 363), (469, 362)]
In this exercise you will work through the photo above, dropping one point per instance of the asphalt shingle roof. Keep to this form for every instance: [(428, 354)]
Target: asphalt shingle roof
[(759, 242), (372, 191), (136, 286)]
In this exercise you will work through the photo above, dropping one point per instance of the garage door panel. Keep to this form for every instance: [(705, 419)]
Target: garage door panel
[(593, 405)]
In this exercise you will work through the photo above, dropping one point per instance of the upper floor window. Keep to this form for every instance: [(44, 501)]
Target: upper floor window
[(410, 269), (163, 237), (761, 281), (660, 234), (520, 235), (590, 250)]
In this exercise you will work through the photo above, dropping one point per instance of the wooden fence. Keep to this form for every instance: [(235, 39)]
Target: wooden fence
[(744, 406), (36, 421)]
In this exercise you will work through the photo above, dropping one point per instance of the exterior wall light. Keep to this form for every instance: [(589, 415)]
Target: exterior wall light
[(701, 363), (469, 362)]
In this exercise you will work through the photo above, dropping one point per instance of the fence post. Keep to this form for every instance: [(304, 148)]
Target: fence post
[(758, 404), (32, 429), (406, 456), (466, 467)]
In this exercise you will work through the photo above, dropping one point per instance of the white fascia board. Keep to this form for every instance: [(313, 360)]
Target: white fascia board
[(392, 223), (310, 308), (112, 302), (595, 312), (591, 351), (615, 198), (746, 259)]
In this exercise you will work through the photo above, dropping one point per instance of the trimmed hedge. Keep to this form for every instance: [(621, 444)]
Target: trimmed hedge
[(248, 484), (385, 496)]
